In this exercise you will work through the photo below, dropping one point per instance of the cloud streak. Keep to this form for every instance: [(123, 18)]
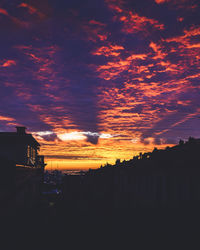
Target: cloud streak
[(102, 80)]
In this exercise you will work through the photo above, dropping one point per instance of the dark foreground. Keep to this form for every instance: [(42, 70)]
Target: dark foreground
[(150, 201), (58, 227)]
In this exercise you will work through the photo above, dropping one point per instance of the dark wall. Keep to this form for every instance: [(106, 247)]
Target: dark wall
[(15, 152)]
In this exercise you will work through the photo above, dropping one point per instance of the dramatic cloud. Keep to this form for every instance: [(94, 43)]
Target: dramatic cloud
[(100, 80), (8, 63), (111, 50)]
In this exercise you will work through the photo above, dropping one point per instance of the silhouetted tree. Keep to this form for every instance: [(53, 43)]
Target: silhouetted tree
[(107, 165), (191, 139), (155, 150), (181, 142), (117, 162)]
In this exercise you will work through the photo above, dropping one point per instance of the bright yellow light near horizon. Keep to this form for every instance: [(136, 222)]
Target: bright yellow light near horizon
[(70, 164), (71, 136), (73, 151), (76, 135)]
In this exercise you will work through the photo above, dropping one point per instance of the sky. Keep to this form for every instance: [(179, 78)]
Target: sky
[(100, 80)]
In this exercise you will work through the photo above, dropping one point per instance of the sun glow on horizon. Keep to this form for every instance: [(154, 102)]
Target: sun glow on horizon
[(71, 136)]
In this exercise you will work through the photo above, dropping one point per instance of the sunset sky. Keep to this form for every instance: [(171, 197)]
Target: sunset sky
[(97, 80)]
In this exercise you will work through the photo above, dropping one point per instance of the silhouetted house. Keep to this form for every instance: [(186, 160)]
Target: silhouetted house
[(20, 147), (21, 170)]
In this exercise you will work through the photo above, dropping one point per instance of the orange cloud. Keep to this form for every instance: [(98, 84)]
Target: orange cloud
[(111, 50), (134, 23), (115, 67), (9, 63), (186, 44), (101, 37), (193, 31), (122, 106), (5, 118), (158, 51)]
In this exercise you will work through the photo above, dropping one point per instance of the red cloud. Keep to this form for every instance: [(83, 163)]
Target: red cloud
[(180, 19), (32, 10), (162, 1), (111, 50), (9, 63), (186, 4), (116, 5), (95, 31), (14, 19), (96, 23), (4, 12), (134, 23)]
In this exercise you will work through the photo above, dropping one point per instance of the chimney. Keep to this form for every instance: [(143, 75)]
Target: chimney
[(21, 130)]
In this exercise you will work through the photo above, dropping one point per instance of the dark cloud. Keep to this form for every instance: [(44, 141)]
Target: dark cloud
[(137, 109), (93, 139), (50, 137)]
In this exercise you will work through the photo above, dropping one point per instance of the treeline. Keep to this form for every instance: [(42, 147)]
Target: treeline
[(186, 152), (162, 179)]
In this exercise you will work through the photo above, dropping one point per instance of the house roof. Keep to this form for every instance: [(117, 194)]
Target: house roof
[(16, 138)]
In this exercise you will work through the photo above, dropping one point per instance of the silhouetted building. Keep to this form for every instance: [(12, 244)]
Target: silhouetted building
[(22, 170), (20, 147)]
